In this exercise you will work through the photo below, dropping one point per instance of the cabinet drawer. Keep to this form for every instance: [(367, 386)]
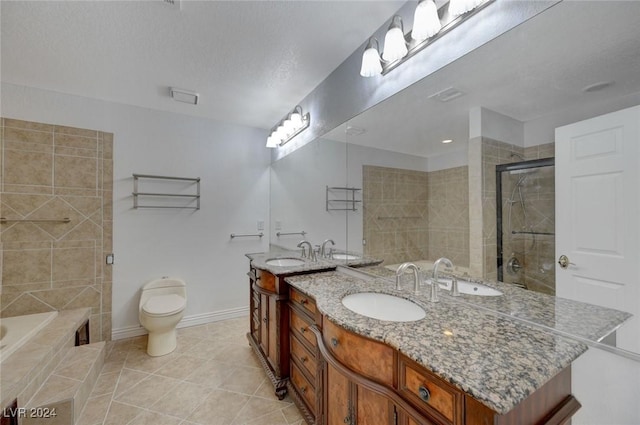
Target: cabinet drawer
[(301, 325), (427, 392), (303, 357), (367, 357), (266, 280), (307, 303), (303, 388)]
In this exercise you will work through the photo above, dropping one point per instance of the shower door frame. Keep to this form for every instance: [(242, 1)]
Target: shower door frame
[(500, 168)]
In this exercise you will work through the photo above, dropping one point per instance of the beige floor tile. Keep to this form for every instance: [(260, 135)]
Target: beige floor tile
[(211, 374), (239, 354), (105, 384), (55, 388), (219, 408), (266, 390), (153, 418), (207, 349), (129, 378), (200, 331), (121, 414), (180, 367), (244, 380), (147, 392), (95, 410), (292, 414), (186, 342), (275, 418), (258, 407), (182, 400), (140, 360)]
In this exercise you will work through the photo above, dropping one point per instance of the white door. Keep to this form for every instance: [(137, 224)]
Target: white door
[(597, 216)]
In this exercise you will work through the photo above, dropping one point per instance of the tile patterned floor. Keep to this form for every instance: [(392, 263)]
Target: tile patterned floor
[(213, 378)]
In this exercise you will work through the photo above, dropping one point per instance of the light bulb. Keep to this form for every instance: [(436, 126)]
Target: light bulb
[(459, 7), (371, 60), (288, 126), (272, 141), (426, 22), (395, 46), (296, 119)]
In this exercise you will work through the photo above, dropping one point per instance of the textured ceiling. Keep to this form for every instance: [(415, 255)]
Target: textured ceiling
[(536, 69), (251, 61)]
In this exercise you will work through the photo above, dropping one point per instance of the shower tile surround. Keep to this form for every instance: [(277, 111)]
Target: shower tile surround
[(52, 172), (538, 272), (415, 215)]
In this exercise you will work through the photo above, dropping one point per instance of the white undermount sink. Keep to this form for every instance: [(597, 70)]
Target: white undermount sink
[(345, 257), (284, 262), (383, 307), (469, 288)]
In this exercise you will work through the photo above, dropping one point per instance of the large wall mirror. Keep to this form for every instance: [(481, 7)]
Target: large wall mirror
[(487, 199)]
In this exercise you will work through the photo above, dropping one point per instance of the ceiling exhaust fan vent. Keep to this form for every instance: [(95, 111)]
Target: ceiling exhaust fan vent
[(447, 94)]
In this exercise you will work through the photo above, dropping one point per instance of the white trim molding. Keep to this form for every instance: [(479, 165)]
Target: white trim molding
[(197, 319)]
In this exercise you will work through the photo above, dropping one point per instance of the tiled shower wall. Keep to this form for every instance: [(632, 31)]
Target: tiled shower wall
[(51, 172), (535, 256), (414, 215)]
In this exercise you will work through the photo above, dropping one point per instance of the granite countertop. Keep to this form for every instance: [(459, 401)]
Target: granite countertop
[(570, 317), (497, 360), (259, 261)]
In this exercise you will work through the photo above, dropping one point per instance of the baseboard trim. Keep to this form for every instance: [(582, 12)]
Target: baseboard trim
[(196, 319)]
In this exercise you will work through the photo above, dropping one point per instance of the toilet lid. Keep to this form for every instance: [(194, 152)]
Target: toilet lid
[(164, 305)]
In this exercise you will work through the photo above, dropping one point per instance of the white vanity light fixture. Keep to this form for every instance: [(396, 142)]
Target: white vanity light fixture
[(460, 7), (426, 22), (371, 59), (395, 46), (429, 25), (288, 127)]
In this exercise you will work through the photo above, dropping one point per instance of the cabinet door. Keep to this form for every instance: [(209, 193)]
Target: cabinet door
[(264, 325), (338, 408), (372, 408), (273, 334)]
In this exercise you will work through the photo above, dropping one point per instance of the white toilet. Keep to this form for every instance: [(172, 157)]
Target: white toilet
[(162, 303)]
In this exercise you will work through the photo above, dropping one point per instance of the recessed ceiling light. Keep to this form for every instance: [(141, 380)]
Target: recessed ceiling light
[(601, 85), (447, 141)]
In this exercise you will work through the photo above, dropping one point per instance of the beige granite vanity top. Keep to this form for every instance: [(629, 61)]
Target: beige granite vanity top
[(497, 360), (259, 261)]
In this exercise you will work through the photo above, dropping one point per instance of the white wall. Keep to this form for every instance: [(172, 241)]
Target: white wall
[(234, 167)]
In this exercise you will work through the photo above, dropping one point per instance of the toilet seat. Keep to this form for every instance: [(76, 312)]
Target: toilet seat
[(164, 305)]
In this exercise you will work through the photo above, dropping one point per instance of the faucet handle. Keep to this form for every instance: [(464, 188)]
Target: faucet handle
[(304, 252), (454, 287)]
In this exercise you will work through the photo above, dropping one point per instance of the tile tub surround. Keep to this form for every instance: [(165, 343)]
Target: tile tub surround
[(213, 378), (497, 360), (53, 172), (26, 369)]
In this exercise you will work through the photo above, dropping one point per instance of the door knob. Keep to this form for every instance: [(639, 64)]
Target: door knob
[(564, 262)]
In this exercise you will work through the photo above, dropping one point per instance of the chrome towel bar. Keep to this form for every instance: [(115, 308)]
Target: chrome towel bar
[(35, 220), (291, 233), (235, 235)]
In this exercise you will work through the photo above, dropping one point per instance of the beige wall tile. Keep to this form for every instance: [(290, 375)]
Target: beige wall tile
[(25, 304), (75, 172), (59, 130), (12, 134), (27, 168), (27, 266), (70, 264)]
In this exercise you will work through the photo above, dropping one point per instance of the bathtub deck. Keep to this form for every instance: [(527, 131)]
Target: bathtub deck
[(24, 372)]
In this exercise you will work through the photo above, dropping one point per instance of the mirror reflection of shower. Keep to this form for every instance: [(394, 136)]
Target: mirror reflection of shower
[(525, 198)]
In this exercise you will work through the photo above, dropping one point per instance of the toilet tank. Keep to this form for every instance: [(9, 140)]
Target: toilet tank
[(164, 286)]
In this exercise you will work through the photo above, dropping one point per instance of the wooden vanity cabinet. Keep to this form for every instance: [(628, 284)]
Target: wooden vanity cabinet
[(269, 323)]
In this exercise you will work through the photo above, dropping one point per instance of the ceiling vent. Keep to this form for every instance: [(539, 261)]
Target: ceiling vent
[(185, 96), (447, 94)]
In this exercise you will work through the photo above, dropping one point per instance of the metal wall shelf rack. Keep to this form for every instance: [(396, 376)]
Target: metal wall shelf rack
[(347, 200), (190, 197)]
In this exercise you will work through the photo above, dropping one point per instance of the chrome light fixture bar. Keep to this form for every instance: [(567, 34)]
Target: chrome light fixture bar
[(429, 25), (289, 127)]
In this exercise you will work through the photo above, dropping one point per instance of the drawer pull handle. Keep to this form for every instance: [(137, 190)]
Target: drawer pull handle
[(303, 329), (304, 301), (334, 341), (424, 393), (304, 359), (265, 320), (303, 390)]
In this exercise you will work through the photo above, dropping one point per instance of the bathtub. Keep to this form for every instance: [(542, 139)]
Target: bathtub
[(16, 331)]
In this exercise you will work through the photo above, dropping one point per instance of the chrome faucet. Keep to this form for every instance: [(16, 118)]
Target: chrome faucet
[(435, 286), (323, 252), (416, 278), (311, 254)]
